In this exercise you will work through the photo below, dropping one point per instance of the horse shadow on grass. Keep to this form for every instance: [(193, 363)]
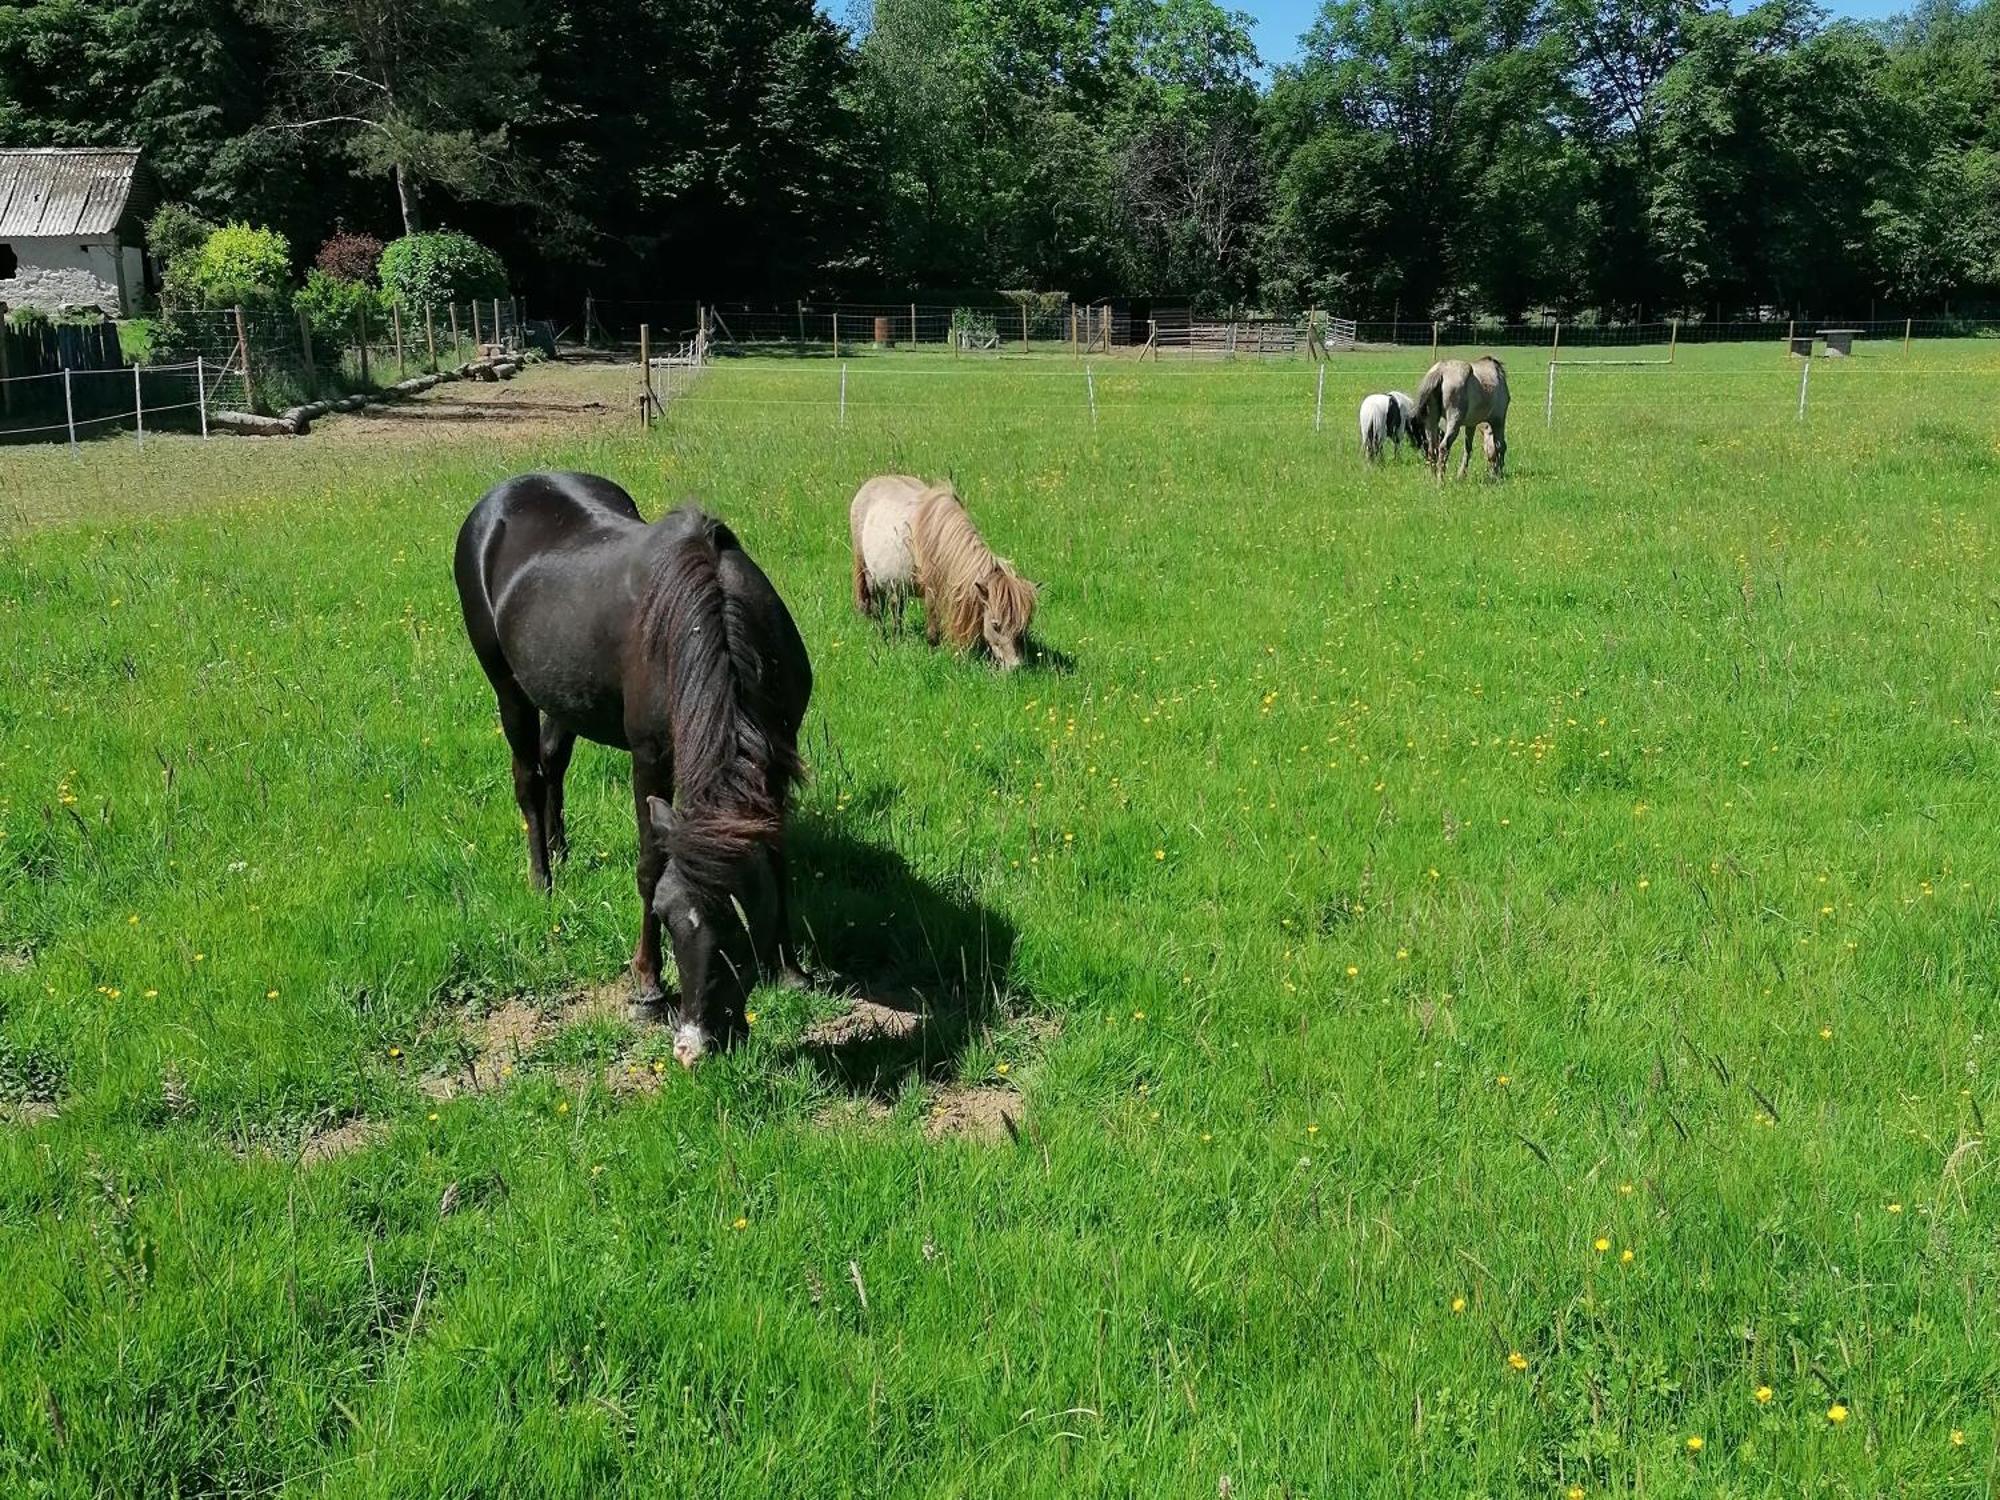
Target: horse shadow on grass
[(925, 964)]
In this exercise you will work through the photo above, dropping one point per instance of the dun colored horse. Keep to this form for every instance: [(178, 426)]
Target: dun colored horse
[(1459, 397), (665, 640), (910, 537)]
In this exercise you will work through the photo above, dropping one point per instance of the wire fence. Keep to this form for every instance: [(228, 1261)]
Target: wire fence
[(256, 360), (1144, 329)]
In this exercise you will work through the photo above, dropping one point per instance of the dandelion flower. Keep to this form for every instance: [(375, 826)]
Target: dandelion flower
[(562, 1108), (1001, 1069), (132, 921), (152, 994), (432, 1117), (1624, 1189), (270, 994), (1826, 1033), (749, 1018), (1763, 1394), (1138, 1015), (1517, 1360), (1836, 1413), (1695, 1444), (1574, 1492), (1352, 970), (1958, 1437), (1625, 1257), (1600, 1244), (1458, 1304), (1504, 1079), (395, 1052), (1159, 854), (1895, 1208), (740, 1225), (1312, 1130)]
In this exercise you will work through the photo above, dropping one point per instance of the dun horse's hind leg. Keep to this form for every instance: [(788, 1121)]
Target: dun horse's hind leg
[(557, 744), (1441, 459), (521, 722)]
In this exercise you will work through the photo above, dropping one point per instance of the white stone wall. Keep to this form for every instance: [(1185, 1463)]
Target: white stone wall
[(53, 274)]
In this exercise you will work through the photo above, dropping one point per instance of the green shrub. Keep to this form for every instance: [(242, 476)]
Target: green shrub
[(439, 268), (331, 304), (176, 232), (238, 263)]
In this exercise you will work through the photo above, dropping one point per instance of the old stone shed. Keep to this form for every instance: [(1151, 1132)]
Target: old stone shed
[(72, 231)]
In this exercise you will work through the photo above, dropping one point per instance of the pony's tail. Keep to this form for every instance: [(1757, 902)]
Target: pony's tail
[(1430, 391)]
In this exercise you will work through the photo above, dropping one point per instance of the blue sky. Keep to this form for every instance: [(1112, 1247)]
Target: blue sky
[(1281, 22)]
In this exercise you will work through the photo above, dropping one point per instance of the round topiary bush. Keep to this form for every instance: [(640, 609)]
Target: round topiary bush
[(237, 263), (438, 268)]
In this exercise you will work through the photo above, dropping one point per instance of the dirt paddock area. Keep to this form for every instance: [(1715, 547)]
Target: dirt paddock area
[(560, 399)]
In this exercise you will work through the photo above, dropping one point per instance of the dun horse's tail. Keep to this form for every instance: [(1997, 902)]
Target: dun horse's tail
[(1430, 392), (731, 773)]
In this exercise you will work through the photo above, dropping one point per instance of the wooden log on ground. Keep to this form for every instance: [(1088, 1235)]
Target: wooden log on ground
[(252, 425)]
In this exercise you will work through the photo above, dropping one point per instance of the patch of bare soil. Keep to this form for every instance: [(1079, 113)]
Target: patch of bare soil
[(340, 1140), (868, 1023), (978, 1112), (504, 1037), (553, 400)]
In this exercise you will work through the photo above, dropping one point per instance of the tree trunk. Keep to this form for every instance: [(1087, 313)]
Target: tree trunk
[(406, 196)]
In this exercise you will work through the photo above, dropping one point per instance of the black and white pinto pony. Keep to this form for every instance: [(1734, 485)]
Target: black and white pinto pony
[(665, 640), (1456, 397), (1385, 419)]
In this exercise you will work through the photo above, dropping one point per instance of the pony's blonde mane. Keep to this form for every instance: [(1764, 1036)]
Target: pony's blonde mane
[(953, 560)]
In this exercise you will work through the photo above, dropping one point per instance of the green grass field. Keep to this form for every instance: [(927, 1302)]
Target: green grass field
[(1494, 985)]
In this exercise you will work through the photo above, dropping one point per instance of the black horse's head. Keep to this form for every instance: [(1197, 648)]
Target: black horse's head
[(718, 899)]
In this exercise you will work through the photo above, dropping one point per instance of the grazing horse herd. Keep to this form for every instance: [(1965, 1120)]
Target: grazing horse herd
[(1456, 396), (667, 641)]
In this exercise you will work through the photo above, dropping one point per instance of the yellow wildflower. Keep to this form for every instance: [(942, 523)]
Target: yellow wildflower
[(1763, 1394)]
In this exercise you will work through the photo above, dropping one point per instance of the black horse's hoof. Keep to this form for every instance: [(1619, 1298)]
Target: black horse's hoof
[(648, 1007)]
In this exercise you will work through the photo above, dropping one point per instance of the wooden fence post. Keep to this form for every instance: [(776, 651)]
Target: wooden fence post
[(1434, 341), (69, 413), (451, 312), (243, 360), (499, 334), (1024, 328), (645, 375), (1789, 329), (201, 391), (396, 318), (138, 407), (836, 333), (472, 305), (1673, 340), (6, 386), (1556, 343), (430, 337), (589, 308), (802, 324), (1906, 339), (913, 324)]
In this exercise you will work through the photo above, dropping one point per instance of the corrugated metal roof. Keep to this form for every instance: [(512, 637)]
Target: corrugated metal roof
[(64, 192)]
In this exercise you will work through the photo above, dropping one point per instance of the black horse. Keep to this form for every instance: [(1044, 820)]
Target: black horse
[(668, 641)]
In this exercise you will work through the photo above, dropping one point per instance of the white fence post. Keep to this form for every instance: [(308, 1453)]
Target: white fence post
[(1090, 389), (1549, 411), (1319, 398), (1805, 374), (201, 391), (138, 406), (69, 415)]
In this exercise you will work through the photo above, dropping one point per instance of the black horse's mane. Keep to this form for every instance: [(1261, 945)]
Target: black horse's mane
[(734, 770)]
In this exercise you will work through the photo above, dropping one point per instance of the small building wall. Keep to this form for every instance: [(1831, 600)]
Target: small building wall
[(53, 274)]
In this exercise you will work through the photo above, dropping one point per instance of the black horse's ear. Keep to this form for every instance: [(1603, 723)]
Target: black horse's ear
[(663, 816)]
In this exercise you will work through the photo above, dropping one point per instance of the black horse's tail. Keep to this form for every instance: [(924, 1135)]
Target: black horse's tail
[(732, 771)]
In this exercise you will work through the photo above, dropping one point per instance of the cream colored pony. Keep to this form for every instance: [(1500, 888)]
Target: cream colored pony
[(913, 538), (1460, 397)]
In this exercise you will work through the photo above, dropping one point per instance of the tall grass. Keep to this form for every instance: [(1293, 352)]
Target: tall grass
[(1495, 976)]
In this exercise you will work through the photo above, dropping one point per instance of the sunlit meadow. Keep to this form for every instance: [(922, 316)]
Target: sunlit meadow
[(1492, 988)]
